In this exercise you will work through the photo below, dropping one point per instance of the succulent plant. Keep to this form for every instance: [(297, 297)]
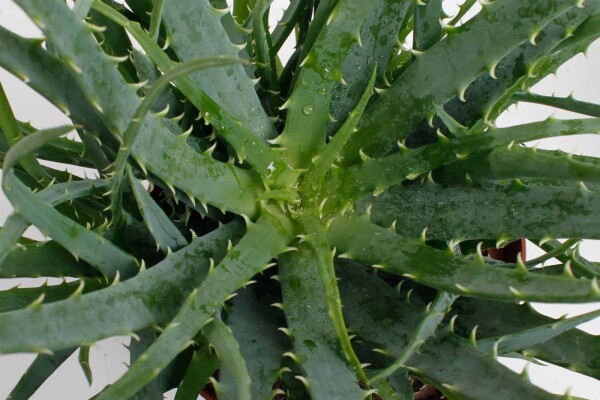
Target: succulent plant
[(314, 229)]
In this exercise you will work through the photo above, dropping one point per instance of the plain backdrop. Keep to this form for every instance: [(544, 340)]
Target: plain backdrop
[(108, 357)]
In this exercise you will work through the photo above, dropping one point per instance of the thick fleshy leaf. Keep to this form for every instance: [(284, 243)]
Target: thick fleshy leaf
[(40, 369), (237, 386), (159, 292), (166, 234), (265, 239), (575, 349), (116, 102), (326, 373), (254, 325), (234, 92), (91, 247), (443, 270), (471, 50), (51, 78), (375, 175), (16, 298), (308, 105), (379, 35), (514, 211), (203, 364), (377, 314)]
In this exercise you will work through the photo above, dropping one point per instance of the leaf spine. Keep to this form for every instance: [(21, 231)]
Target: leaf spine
[(479, 254), (161, 114), (79, 291), (36, 305), (382, 351), (451, 323), (568, 271), (521, 268), (423, 236), (304, 380), (461, 288), (363, 156), (515, 292), (595, 288), (473, 336)]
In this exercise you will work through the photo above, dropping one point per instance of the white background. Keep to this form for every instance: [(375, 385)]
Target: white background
[(579, 76)]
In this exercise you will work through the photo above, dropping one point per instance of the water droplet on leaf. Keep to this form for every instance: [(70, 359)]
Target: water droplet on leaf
[(308, 109)]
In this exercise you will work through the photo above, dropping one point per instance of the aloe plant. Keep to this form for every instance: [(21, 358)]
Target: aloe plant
[(309, 228)]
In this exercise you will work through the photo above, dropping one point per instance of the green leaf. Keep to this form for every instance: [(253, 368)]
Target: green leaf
[(462, 11), (379, 36), (63, 150), (47, 259), (315, 176), (522, 163), (513, 210), (16, 298), (323, 257), (84, 363), (82, 8), (532, 336), (156, 18), (13, 135), (204, 363), (443, 270), (254, 324), (387, 392), (579, 264), (263, 240), (117, 102), (375, 312), (146, 70), (427, 26), (265, 57), (288, 21), (114, 41), (29, 144), (308, 105), (232, 362), (425, 330), (585, 34), (560, 351), (159, 292), (317, 351), (564, 103), (145, 338), (166, 234), (524, 66), (130, 135), (93, 70), (241, 10), (40, 369), (445, 350), (378, 174), (246, 144), (321, 10), (15, 224), (219, 184), (234, 92), (89, 246), (476, 47), (575, 349)]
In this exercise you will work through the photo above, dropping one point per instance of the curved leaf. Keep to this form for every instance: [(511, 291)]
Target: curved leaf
[(443, 270), (159, 292), (317, 351)]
